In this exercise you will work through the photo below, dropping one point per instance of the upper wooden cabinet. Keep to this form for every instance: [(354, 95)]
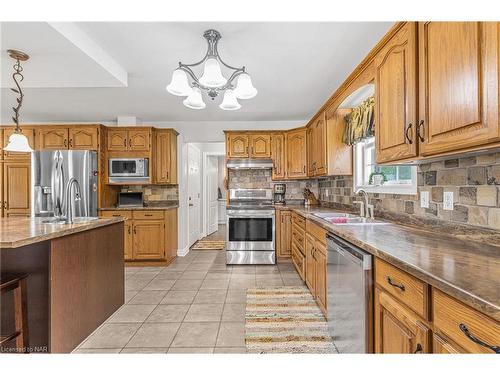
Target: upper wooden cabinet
[(53, 138), (83, 138), (29, 133), (278, 156), (396, 96), (339, 155), (74, 137), (317, 146), (131, 139), (237, 145), (165, 156), (248, 145), (260, 145), (458, 85), (296, 153)]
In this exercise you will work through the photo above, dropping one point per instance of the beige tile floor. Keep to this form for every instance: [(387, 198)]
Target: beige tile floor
[(195, 305)]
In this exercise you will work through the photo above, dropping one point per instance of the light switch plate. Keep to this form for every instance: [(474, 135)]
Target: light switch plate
[(424, 199), (448, 200)]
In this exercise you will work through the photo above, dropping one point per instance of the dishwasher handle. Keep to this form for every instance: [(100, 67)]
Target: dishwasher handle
[(345, 248)]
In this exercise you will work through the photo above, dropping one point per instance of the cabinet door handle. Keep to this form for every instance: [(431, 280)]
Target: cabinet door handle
[(130, 143), (419, 135), (407, 136), (148, 215), (116, 215), (65, 143), (135, 231), (129, 230), (304, 169), (418, 349), (125, 142), (167, 175), (473, 338), (399, 286), (70, 142)]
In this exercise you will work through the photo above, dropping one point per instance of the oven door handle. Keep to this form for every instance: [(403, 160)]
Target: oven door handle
[(250, 216)]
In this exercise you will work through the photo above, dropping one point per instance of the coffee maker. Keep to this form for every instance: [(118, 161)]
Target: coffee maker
[(279, 193)]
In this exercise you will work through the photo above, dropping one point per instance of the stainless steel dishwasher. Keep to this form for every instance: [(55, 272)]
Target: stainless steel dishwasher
[(350, 296)]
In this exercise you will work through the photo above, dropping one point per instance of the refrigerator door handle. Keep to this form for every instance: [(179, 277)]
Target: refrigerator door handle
[(57, 184)]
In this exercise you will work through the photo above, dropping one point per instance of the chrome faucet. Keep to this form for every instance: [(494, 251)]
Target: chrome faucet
[(365, 209), (69, 206)]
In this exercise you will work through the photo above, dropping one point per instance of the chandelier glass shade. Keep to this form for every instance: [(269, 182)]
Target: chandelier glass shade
[(212, 81)]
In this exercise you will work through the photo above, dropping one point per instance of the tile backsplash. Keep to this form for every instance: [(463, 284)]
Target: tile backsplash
[(261, 179), (474, 181), (155, 194)]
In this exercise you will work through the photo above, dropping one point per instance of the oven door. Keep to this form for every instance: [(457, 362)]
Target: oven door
[(250, 230)]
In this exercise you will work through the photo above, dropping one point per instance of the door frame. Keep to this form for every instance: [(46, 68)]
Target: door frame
[(204, 189), (200, 229)]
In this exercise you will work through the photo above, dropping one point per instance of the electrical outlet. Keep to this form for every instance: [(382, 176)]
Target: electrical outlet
[(424, 199), (448, 200)]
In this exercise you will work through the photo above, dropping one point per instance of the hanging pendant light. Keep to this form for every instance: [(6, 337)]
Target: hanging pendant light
[(244, 88), (212, 75), (18, 142), (229, 103), (194, 100), (179, 85)]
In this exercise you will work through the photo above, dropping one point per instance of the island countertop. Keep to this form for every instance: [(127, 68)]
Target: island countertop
[(16, 232), (466, 270)]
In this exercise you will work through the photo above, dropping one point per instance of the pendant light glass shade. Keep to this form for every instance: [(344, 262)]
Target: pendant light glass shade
[(229, 103), (194, 100), (212, 75), (18, 143), (244, 88), (179, 85)]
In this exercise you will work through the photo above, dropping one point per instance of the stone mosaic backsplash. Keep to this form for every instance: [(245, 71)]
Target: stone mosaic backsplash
[(156, 194), (474, 181), (261, 179)]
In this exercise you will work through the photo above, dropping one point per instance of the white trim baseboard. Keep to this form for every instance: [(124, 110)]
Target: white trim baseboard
[(183, 252)]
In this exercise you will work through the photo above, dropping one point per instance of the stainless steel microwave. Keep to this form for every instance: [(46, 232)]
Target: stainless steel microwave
[(131, 169)]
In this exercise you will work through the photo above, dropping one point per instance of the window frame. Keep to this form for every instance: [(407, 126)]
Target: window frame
[(395, 188)]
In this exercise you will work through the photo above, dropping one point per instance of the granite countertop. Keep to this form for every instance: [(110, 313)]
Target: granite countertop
[(147, 208), (466, 270), (16, 232)]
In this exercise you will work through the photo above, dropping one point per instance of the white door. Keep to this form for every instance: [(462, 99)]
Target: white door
[(212, 185), (193, 193)]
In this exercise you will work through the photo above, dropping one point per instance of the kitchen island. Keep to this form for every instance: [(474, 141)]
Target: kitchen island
[(75, 277)]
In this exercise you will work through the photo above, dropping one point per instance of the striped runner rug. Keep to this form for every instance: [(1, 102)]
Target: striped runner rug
[(209, 245), (285, 320)]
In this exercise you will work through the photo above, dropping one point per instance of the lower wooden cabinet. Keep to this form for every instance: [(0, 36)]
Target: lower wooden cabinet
[(397, 329), (16, 187), (320, 272), (283, 234), (149, 235), (441, 345), (310, 264)]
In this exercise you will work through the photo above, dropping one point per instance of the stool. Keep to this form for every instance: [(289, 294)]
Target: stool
[(17, 283)]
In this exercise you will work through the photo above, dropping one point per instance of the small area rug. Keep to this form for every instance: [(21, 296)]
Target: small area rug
[(285, 320), (209, 245)]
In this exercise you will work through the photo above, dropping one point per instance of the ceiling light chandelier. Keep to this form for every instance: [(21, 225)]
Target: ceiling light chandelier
[(18, 141), (212, 81)]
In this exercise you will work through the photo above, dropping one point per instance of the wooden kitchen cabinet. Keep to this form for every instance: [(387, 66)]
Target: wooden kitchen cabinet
[(296, 153), (83, 138), (139, 140), (16, 189), (149, 239), (260, 145), (396, 96), (283, 234), (53, 138), (1, 190), (317, 146), (117, 139), (165, 156), (320, 271), (310, 264), (441, 345), (237, 145), (458, 85), (128, 243), (278, 156), (397, 329), (24, 156)]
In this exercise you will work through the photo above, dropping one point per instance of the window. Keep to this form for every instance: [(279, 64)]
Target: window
[(400, 179)]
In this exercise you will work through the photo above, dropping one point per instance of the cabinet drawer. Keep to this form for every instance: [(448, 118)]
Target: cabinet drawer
[(126, 214), (298, 260), (408, 289), (316, 231), (462, 323), (149, 215), (298, 220), (298, 238)]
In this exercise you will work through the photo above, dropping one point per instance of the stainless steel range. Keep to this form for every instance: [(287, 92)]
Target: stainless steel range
[(250, 227)]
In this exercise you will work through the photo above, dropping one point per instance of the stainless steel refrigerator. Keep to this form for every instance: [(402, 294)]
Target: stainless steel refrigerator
[(51, 171)]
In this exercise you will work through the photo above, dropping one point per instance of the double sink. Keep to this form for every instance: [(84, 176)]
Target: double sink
[(342, 218)]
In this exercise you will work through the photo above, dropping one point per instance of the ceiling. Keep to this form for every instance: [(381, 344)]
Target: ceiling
[(96, 71)]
